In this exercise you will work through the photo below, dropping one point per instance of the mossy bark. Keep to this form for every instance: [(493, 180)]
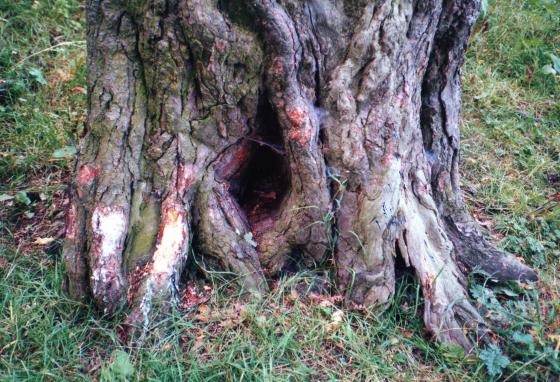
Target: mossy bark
[(256, 133)]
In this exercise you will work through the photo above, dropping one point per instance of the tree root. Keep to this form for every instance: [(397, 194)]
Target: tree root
[(448, 314)]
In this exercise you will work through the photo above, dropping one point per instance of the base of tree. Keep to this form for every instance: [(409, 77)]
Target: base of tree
[(260, 133)]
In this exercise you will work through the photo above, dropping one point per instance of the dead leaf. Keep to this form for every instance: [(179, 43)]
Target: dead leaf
[(203, 313), (227, 323), (78, 90), (337, 318), (43, 240), (407, 333), (555, 338), (202, 317), (198, 343), (261, 321), (294, 295), (203, 309), (487, 224), (60, 75)]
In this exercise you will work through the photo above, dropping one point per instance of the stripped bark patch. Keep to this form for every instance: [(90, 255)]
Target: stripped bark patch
[(85, 177), (299, 130), (109, 225), (171, 241), (185, 177), (87, 174)]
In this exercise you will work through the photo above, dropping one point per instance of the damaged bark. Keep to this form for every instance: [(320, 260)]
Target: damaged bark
[(259, 134)]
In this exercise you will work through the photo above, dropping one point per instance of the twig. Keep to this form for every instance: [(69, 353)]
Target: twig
[(269, 145), (46, 50), (548, 205)]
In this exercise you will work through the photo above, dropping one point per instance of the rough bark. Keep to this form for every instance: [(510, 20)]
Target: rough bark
[(262, 133)]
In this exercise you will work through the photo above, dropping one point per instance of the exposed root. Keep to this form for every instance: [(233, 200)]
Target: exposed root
[(159, 285), (365, 267), (448, 313), (477, 253), (368, 224), (225, 235)]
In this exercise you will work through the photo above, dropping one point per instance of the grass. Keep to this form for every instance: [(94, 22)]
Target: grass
[(511, 166), (41, 96), (511, 134)]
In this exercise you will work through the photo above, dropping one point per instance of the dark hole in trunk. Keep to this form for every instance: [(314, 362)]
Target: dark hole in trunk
[(266, 182), (263, 182), (401, 269), (406, 287)]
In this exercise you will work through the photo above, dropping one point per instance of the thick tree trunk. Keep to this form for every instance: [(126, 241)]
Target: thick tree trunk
[(266, 132)]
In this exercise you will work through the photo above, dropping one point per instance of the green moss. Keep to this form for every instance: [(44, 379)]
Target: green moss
[(143, 235)]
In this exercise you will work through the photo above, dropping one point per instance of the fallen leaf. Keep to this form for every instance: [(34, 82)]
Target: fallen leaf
[(202, 317), (555, 338), (261, 321), (43, 240), (60, 75), (37, 76), (337, 318), (78, 90), (407, 333), (198, 343), (294, 295), (227, 323), (203, 309), (21, 197)]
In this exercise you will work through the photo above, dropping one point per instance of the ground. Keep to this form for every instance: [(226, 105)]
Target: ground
[(511, 176)]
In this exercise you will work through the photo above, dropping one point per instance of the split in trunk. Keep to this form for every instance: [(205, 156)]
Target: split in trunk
[(265, 131)]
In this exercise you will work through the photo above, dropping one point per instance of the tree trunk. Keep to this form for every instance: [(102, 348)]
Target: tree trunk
[(262, 133)]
